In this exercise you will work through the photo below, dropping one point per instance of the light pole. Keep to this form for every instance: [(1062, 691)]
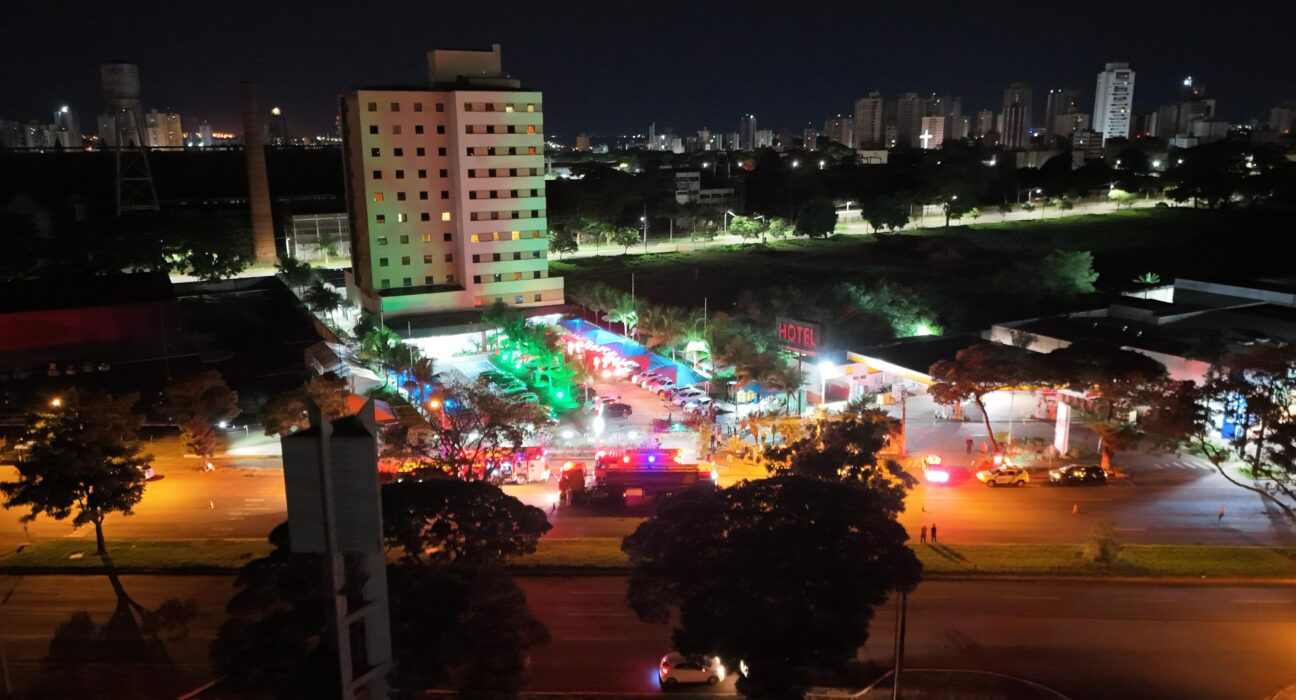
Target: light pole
[(727, 214)]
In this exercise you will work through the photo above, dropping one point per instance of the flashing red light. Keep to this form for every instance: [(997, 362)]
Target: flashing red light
[(938, 477), (626, 459), (567, 466)]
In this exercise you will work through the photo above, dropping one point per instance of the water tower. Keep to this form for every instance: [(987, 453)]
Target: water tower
[(135, 190)]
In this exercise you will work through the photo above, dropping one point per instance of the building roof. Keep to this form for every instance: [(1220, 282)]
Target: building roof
[(87, 292), (919, 354)]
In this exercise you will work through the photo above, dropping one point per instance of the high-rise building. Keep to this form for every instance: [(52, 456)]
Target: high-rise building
[(67, 128), (985, 122), (840, 129), (933, 133), (870, 123), (446, 190), (204, 135), (278, 128), (1061, 102), (909, 112), (1017, 115), (582, 143), (1113, 101), (1283, 116), (1067, 125), (764, 138), (747, 132), (162, 130), (809, 138), (11, 134)]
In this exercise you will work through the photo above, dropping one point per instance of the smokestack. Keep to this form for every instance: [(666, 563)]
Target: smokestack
[(258, 183)]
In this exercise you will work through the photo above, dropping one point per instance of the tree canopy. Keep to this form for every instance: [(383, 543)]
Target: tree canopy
[(782, 574), (449, 520)]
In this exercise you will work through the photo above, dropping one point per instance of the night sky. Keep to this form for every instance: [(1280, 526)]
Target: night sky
[(611, 67)]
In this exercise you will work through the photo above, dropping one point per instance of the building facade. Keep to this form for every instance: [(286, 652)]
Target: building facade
[(1114, 101), (869, 120), (1061, 102), (1017, 110), (446, 191)]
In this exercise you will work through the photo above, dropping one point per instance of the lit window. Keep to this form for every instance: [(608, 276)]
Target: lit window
[(517, 276), (380, 219), (517, 235), (401, 218), (531, 108), (445, 216), (517, 299), (508, 107), (530, 128), (531, 150), (427, 238), (474, 238), (477, 301), (378, 196), (535, 234)]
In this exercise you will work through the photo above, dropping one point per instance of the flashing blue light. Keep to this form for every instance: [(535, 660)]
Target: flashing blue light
[(652, 458)]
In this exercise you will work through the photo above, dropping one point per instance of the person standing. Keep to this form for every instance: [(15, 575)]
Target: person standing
[(933, 533), (923, 537), (1221, 515), (968, 444)]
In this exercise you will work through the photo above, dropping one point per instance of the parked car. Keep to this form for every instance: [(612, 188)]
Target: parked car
[(1078, 475), (681, 396), (618, 410), (699, 404), (514, 387), (1004, 476), (643, 377), (675, 668), (494, 376), (660, 386), (525, 397)]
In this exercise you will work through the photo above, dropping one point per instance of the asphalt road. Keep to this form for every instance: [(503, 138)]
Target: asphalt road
[(1090, 641), (242, 498)]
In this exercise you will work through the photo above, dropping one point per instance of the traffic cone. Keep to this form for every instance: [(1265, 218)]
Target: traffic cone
[(1075, 509)]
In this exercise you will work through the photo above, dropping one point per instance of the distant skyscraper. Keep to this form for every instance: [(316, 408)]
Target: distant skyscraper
[(582, 143), (909, 112), (1282, 116), (985, 122), (747, 132), (1113, 101), (67, 127), (204, 135), (278, 126), (1016, 116), (764, 138), (840, 129), (162, 130), (933, 132), (1060, 102), (1067, 125), (810, 138), (869, 128)]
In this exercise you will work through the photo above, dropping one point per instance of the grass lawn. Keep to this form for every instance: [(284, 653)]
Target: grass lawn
[(143, 554), (1027, 559), (948, 265)]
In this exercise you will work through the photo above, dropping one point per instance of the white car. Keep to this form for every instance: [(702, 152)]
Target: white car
[(1004, 476), (675, 668), (699, 404), (686, 394)]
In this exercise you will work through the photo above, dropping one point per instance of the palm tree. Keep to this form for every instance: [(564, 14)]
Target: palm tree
[(423, 373), (789, 378), (625, 312), (664, 326), (321, 299)]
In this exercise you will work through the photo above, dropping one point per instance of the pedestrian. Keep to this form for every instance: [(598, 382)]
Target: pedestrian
[(670, 417), (1221, 515), (923, 538), (985, 448), (968, 443), (933, 533)]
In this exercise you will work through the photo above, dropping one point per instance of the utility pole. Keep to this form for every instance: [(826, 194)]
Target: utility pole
[(901, 612)]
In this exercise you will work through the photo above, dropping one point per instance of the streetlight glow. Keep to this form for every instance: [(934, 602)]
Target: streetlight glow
[(56, 402)]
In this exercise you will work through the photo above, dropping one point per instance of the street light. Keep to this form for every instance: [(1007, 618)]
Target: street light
[(827, 370), (56, 402), (796, 163), (727, 214)]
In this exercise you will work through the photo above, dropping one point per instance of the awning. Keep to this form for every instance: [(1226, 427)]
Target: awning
[(382, 412)]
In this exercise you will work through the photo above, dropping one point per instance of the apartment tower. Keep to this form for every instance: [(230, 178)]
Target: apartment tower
[(446, 191), (1113, 100)]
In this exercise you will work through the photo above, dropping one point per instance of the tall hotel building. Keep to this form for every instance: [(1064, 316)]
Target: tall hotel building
[(1114, 101), (446, 191)]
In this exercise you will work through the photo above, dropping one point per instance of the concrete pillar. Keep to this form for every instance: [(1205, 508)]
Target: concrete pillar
[(258, 182)]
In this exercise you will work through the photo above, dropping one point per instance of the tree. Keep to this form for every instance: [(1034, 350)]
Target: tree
[(1244, 411), (475, 421), (745, 227), (624, 236), (625, 312), (1114, 382), (84, 460), (1068, 273), (782, 574), (196, 403), (1103, 546), (779, 228), (1122, 198), (563, 239), (298, 274), (884, 213), (844, 448), (448, 520), (321, 299), (982, 369), (817, 218), (286, 413)]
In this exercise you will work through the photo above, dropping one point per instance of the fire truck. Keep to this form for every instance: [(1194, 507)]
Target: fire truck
[(620, 474)]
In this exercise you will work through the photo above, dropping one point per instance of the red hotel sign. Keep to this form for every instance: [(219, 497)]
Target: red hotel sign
[(799, 336)]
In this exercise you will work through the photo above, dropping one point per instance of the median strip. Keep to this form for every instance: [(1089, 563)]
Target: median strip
[(603, 555)]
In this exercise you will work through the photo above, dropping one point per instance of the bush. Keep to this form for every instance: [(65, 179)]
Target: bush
[(1102, 546)]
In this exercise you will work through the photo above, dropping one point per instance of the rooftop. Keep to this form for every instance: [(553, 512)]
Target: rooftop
[(87, 292)]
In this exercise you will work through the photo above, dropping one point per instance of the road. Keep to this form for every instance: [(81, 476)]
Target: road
[(1091, 641), (243, 497), (1100, 641)]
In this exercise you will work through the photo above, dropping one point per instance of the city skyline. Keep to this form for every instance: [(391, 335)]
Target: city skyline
[(315, 58)]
